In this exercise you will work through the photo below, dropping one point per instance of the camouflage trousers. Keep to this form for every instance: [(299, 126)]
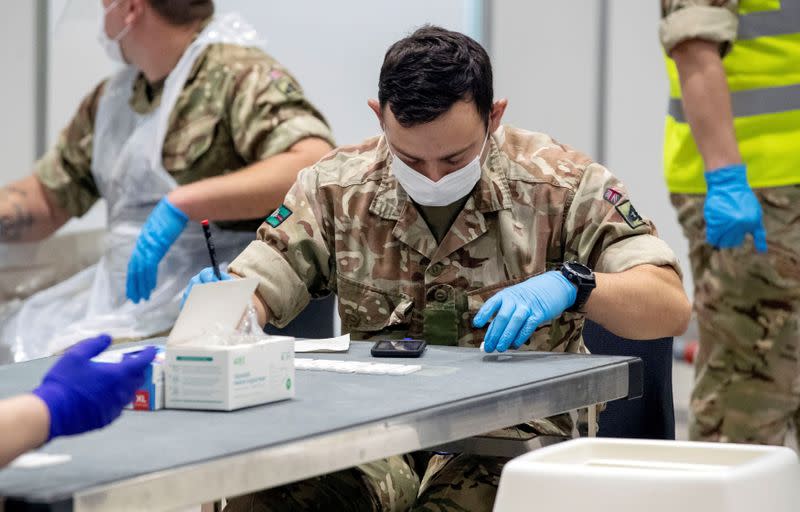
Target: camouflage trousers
[(458, 483), (747, 385)]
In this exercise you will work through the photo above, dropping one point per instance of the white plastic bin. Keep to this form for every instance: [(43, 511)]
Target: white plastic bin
[(622, 475)]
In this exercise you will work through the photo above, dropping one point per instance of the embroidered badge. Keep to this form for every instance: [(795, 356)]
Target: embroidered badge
[(630, 214), (278, 216), (612, 196)]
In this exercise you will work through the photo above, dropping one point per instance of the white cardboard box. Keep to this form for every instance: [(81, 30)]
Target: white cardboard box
[(226, 378)]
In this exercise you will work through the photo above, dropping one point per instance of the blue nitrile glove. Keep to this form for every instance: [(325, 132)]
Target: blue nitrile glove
[(732, 209), (164, 225), (522, 307), (84, 395), (205, 276)]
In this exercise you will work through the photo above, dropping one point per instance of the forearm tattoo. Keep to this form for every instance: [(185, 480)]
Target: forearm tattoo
[(15, 219)]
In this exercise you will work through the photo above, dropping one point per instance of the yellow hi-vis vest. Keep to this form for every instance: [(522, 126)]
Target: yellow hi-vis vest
[(763, 71)]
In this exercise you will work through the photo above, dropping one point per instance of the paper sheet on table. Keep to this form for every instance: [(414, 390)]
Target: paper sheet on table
[(35, 460), (340, 344)]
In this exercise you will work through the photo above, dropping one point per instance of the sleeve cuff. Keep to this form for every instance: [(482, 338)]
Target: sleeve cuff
[(292, 131), (637, 250), (278, 284), (715, 24)]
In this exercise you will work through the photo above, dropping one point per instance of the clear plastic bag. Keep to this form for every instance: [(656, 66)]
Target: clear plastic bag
[(248, 331)]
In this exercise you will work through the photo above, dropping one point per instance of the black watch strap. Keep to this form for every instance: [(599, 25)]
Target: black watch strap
[(583, 278)]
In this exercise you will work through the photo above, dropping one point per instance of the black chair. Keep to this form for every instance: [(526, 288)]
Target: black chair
[(653, 415), (316, 321)]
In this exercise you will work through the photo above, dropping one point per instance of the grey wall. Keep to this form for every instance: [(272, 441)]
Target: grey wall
[(18, 98)]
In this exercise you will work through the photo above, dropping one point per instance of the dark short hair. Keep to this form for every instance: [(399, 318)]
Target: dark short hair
[(426, 73), (183, 12)]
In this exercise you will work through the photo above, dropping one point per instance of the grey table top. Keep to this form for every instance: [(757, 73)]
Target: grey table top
[(352, 418)]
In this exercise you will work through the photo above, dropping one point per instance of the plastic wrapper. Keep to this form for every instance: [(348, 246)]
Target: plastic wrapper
[(248, 331)]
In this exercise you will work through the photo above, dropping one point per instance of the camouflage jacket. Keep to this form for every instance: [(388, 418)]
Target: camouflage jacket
[(712, 20), (348, 227), (238, 106)]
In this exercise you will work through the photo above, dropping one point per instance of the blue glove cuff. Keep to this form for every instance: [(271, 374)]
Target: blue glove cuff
[(731, 174), (174, 209), (570, 289)]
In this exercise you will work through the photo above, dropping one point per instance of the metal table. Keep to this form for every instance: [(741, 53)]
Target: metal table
[(168, 459)]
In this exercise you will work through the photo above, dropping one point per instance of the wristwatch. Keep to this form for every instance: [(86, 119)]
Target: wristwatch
[(583, 278)]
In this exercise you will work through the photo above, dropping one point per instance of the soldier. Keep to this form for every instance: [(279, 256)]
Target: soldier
[(200, 124), (733, 169), (442, 223)]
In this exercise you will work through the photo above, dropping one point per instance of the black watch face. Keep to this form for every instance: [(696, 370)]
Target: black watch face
[(580, 269)]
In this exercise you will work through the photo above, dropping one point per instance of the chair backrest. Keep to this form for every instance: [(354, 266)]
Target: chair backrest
[(316, 321), (653, 415)]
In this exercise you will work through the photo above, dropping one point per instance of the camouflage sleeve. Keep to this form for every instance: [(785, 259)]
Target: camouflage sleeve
[(603, 230), (66, 169), (291, 254), (712, 20), (269, 112)]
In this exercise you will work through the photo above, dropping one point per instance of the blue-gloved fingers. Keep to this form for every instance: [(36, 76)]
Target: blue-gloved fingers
[(760, 239), (91, 347), (137, 363), (518, 319), (531, 324), (131, 288), (207, 275), (498, 325), (150, 279), (488, 310), (730, 239)]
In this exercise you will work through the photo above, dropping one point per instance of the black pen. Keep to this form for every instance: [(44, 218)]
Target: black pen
[(212, 253)]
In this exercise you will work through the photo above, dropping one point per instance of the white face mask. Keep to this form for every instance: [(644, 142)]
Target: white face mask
[(449, 189), (109, 45)]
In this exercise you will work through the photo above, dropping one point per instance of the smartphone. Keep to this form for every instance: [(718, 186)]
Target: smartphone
[(398, 348)]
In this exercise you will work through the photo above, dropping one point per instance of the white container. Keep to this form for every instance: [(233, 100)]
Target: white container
[(226, 378), (623, 475)]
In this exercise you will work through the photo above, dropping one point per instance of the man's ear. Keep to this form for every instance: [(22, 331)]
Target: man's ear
[(375, 106), (496, 115), (134, 11)]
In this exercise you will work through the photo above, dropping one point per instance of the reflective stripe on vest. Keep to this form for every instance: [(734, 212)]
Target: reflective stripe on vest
[(752, 103), (770, 23)]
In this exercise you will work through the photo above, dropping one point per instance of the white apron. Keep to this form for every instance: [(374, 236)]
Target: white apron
[(127, 167)]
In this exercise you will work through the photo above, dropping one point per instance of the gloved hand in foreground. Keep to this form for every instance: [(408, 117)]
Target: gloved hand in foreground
[(205, 276), (83, 395), (732, 209), (518, 310), (164, 225)]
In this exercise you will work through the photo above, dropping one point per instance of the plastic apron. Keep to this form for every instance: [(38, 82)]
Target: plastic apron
[(127, 167)]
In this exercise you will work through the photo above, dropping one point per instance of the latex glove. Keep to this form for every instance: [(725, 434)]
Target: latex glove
[(84, 395), (164, 225), (521, 308), (205, 276), (732, 210)]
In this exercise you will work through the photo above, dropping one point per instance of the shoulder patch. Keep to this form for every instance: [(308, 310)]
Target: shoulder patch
[(278, 216), (629, 213), (612, 195)]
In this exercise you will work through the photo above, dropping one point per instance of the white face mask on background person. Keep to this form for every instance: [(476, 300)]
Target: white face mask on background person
[(111, 45), (449, 189)]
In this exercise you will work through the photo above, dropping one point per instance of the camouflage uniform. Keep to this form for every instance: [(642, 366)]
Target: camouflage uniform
[(747, 385), (347, 227), (238, 106)]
